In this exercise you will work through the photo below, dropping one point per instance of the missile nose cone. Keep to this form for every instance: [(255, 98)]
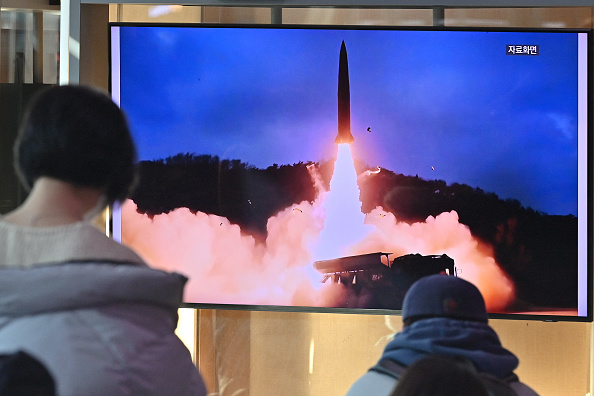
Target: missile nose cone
[(344, 100)]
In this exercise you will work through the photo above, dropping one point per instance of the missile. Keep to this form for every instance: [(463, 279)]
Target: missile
[(344, 100)]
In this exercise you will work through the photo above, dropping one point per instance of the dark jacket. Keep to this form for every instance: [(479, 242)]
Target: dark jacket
[(475, 341)]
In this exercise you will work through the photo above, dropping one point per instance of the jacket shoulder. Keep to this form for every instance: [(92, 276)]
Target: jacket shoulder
[(522, 389), (372, 383)]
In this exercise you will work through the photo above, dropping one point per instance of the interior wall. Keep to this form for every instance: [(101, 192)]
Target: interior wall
[(559, 17), (286, 353), (283, 353), (94, 48), (554, 356)]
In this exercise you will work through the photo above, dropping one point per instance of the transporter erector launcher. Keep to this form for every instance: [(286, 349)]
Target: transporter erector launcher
[(344, 100)]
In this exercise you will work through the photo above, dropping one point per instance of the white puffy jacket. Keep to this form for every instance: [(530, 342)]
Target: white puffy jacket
[(99, 328)]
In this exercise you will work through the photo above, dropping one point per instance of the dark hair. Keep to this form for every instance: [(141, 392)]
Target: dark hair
[(22, 374), (437, 375), (76, 134)]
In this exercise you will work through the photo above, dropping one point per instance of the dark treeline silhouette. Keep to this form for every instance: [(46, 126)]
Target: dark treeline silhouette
[(537, 250), (245, 195)]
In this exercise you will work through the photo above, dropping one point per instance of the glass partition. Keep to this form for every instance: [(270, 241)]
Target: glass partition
[(29, 59), (559, 17), (30, 46)]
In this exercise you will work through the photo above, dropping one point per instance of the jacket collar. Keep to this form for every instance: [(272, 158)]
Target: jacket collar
[(474, 340)]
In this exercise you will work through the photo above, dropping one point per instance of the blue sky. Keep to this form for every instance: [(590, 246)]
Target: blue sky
[(440, 104)]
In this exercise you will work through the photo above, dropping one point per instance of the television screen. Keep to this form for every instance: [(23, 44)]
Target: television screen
[(327, 168)]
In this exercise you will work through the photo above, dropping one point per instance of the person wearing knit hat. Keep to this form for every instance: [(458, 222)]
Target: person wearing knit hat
[(442, 315)]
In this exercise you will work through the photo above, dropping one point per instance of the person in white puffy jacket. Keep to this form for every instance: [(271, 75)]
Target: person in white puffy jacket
[(88, 308)]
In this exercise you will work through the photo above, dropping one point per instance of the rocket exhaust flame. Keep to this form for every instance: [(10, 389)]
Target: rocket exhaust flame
[(344, 224)]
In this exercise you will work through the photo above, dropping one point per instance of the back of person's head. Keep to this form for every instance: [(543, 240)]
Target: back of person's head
[(443, 296), (437, 375), (22, 374), (76, 134)]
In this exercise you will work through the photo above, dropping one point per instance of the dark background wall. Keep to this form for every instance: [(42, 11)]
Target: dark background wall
[(13, 101)]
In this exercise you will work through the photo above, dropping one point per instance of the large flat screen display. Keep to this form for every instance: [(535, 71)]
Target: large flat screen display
[(327, 168)]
